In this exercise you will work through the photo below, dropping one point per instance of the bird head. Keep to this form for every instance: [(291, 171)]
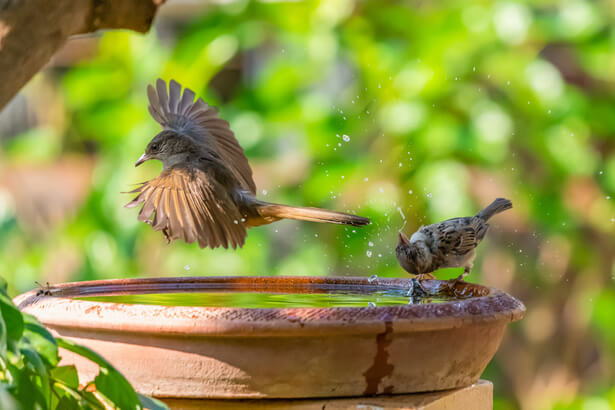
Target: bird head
[(406, 254), (168, 147), (403, 239)]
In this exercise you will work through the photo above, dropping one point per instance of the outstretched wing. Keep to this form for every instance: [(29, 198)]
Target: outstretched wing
[(192, 206), (200, 121), (458, 236)]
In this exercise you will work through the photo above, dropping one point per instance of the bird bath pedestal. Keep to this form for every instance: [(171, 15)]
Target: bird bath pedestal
[(187, 352)]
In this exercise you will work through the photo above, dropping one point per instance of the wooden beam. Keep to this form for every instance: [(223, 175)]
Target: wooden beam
[(31, 31)]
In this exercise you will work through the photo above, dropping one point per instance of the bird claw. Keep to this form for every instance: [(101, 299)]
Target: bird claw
[(424, 276), (459, 279)]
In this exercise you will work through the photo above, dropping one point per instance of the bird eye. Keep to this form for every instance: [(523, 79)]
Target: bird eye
[(154, 147)]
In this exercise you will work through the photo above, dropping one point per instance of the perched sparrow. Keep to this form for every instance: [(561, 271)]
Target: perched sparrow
[(205, 192), (448, 244)]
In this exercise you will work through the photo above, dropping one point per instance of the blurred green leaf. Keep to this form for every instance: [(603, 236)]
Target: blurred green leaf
[(67, 375), (151, 403), (109, 381), (40, 339), (12, 318)]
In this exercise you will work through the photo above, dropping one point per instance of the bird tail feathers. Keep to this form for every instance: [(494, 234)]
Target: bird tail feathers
[(276, 211)]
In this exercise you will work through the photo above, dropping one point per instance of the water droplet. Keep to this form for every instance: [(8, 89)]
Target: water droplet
[(473, 68), (400, 164), (380, 255), (264, 192), (342, 177), (345, 137), (236, 222), (371, 304), (410, 192), (372, 278), (548, 111), (315, 235), (366, 179), (369, 254), (187, 267), (370, 244), (429, 195)]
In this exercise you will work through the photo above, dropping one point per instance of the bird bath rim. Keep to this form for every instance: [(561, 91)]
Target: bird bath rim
[(51, 307)]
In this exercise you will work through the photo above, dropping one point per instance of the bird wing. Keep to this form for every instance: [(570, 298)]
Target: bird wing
[(201, 122), (190, 205), (457, 236)]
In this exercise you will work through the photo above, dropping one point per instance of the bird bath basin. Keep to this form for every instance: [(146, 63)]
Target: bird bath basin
[(279, 337)]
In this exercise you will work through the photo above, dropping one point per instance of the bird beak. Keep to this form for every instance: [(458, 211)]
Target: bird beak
[(142, 159), (403, 239)]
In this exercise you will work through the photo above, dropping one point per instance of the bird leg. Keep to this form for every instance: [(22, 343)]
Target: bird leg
[(459, 279), (424, 276)]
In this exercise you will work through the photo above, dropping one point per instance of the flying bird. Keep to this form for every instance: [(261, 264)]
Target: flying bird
[(448, 244), (205, 192)]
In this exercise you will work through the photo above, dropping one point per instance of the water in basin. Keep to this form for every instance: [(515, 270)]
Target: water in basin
[(277, 299)]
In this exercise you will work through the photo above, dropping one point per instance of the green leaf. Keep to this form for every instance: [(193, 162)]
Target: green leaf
[(67, 375), (12, 317), (40, 376), (68, 403), (109, 381), (28, 392), (41, 340), (3, 338), (7, 402), (85, 399), (151, 403), (3, 287)]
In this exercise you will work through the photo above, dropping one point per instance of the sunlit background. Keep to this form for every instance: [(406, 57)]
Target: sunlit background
[(407, 113)]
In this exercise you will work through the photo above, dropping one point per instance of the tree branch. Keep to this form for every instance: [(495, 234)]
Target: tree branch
[(31, 31)]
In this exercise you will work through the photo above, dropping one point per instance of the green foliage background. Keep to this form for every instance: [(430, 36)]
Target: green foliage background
[(406, 112)]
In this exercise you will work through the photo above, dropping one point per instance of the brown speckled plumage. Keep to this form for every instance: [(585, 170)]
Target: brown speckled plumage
[(205, 192), (447, 244)]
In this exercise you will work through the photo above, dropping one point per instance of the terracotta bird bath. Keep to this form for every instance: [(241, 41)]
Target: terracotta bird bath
[(297, 352)]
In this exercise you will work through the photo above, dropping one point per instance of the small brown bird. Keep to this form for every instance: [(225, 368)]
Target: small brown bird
[(205, 192), (447, 244)]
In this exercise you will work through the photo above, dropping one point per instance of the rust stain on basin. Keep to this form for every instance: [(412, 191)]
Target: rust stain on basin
[(381, 367), (215, 352)]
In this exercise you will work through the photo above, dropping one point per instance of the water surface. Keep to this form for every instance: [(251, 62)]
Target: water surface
[(248, 299)]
